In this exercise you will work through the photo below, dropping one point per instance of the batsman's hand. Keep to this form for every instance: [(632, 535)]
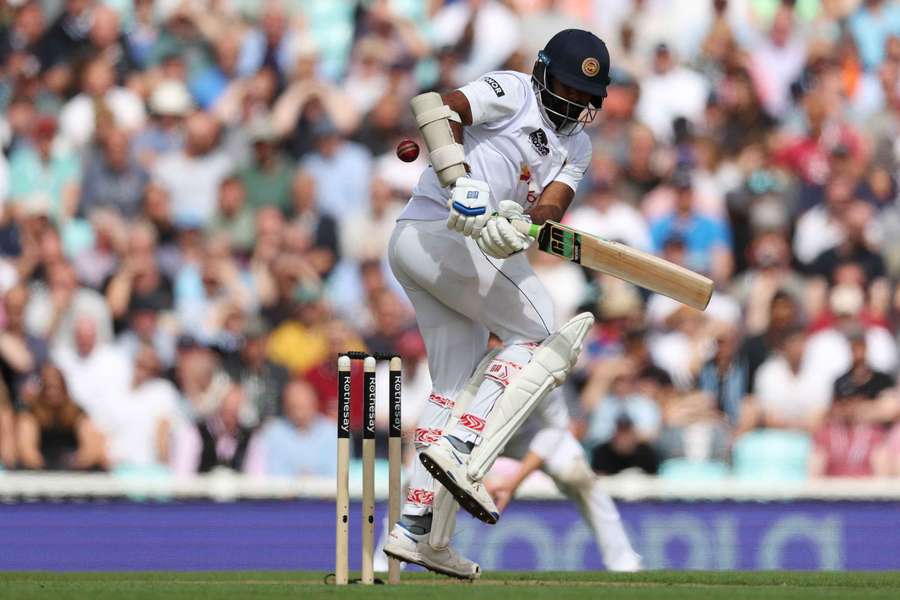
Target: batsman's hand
[(499, 238), (468, 205)]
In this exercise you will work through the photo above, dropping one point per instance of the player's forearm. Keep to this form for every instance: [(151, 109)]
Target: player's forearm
[(543, 213), (552, 205)]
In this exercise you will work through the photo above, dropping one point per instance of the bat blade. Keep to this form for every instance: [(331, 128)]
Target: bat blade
[(634, 266)]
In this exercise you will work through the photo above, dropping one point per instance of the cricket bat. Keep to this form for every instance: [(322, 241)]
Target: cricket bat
[(634, 266)]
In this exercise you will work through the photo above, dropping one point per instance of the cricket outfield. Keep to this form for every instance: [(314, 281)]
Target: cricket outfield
[(695, 585)]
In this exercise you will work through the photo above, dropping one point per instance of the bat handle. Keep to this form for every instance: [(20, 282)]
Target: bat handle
[(526, 228)]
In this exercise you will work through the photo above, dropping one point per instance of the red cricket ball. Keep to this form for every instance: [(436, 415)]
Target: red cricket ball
[(407, 151)]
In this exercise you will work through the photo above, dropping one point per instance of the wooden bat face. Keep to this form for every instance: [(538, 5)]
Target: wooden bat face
[(632, 265)]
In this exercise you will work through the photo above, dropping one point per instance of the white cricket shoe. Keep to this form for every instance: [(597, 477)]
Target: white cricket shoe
[(448, 466), (412, 548)]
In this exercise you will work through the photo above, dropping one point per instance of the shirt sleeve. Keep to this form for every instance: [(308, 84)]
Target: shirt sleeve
[(577, 163), (495, 98)]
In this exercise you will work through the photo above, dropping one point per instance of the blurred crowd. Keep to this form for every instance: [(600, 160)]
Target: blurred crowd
[(196, 198)]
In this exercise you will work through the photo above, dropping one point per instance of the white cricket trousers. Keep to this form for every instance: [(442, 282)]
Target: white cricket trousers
[(461, 296)]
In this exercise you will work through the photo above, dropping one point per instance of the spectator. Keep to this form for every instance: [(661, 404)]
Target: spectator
[(611, 392), (22, 355), (871, 25), (308, 101), (482, 35), (272, 45), (302, 442), (53, 308), (392, 319), (607, 216), (776, 61), (828, 348), (112, 177), (725, 378), (781, 314), (886, 458), (854, 248), (624, 451), (7, 429), (790, 393), (143, 328), (65, 37), (865, 393), (822, 227), (210, 84), (53, 432), (156, 207), (192, 176), (140, 434), (845, 447), (366, 236), (18, 41), (342, 171), (94, 265), (234, 218), (95, 372), (321, 230), (268, 177), (139, 278), (671, 91), (44, 173), (300, 342), (100, 106), (206, 292), (169, 106), (106, 38), (224, 439), (769, 272), (262, 380), (707, 241), (198, 377)]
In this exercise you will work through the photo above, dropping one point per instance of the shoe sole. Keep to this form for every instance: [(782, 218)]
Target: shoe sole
[(462, 497), (431, 567)]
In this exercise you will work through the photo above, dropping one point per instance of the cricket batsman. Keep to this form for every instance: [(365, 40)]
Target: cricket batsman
[(505, 148)]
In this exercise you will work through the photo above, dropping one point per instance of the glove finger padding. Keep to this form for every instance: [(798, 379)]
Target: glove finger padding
[(453, 221), (500, 239)]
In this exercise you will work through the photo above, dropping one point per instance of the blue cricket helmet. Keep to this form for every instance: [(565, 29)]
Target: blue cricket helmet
[(580, 60)]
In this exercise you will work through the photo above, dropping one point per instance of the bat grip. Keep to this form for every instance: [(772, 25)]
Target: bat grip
[(526, 228)]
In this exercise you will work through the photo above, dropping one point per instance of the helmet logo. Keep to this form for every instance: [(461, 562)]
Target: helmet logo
[(590, 66)]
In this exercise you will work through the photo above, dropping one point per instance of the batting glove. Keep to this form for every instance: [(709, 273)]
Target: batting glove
[(499, 238), (469, 206)]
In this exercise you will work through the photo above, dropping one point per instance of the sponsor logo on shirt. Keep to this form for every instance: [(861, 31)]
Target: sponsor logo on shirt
[(495, 86), (539, 141)]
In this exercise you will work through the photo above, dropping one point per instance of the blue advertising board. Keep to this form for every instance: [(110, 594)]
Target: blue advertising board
[(532, 535)]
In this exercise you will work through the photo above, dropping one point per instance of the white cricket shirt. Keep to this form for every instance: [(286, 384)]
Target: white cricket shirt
[(510, 146)]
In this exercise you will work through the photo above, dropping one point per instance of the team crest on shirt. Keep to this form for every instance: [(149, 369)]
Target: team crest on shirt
[(539, 141)]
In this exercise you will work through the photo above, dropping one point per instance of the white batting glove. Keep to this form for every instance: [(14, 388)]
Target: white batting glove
[(468, 205), (499, 238)]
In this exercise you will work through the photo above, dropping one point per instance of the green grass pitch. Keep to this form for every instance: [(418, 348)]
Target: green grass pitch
[(419, 586)]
